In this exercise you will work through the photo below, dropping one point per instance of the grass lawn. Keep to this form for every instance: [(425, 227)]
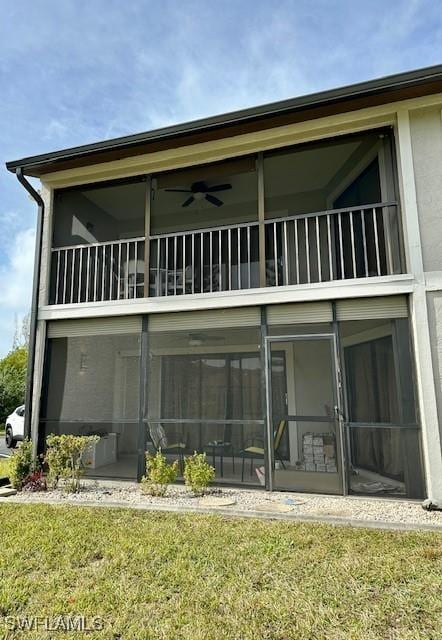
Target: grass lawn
[(169, 576), (4, 466)]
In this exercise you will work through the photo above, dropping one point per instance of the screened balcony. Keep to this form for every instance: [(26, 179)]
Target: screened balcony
[(316, 213)]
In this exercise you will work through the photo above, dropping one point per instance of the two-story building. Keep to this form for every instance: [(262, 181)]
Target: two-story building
[(264, 286)]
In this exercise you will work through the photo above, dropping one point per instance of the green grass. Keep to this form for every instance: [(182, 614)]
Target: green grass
[(4, 467), (168, 576)]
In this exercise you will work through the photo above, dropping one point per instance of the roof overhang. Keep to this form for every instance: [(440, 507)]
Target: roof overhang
[(402, 86)]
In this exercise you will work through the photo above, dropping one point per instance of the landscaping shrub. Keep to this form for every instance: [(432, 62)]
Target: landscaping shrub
[(65, 459), (35, 481), (159, 474), (198, 473), (20, 464)]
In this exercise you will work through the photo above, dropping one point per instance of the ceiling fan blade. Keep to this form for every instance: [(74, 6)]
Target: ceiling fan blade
[(219, 187), (178, 190), (216, 201), (188, 201)]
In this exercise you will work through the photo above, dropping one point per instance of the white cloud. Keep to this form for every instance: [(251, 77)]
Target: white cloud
[(55, 130), (15, 284), (71, 77)]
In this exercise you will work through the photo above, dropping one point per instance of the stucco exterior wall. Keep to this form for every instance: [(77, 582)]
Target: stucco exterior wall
[(47, 195), (91, 380), (434, 301), (426, 138)]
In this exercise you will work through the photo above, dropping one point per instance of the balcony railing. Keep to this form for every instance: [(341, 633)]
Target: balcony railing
[(204, 261), (332, 245), (98, 272)]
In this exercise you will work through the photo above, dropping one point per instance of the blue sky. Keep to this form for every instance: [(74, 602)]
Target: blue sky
[(78, 71)]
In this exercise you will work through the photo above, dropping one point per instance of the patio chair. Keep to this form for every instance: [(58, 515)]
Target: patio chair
[(257, 453), (160, 442)]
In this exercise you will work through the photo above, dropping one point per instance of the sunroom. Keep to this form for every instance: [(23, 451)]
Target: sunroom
[(313, 397)]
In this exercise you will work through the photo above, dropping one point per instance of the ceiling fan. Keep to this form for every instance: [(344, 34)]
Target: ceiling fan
[(200, 191), (198, 339)]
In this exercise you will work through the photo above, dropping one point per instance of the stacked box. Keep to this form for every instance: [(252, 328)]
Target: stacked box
[(319, 452)]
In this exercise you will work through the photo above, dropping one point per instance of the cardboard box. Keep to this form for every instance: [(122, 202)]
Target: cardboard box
[(329, 450)]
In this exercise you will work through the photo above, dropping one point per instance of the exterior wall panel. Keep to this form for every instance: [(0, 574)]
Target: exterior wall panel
[(47, 195), (372, 308), (94, 327), (434, 301), (426, 137), (242, 317), (300, 313)]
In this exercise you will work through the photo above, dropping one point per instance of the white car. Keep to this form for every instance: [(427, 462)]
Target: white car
[(15, 424)]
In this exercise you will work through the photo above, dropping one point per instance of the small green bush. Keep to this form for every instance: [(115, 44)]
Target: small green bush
[(159, 474), (65, 459), (20, 464), (198, 473)]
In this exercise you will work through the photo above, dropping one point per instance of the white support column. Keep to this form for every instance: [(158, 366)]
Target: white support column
[(47, 193), (38, 379), (431, 441)]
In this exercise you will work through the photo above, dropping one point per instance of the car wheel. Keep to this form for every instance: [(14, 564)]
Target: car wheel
[(9, 438)]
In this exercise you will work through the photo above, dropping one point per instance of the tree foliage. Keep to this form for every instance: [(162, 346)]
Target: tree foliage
[(21, 332), (12, 381)]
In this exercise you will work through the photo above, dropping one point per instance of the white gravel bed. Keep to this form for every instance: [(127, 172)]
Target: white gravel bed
[(349, 507)]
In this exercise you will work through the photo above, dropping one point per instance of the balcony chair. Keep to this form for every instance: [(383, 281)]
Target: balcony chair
[(256, 453), (131, 284)]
